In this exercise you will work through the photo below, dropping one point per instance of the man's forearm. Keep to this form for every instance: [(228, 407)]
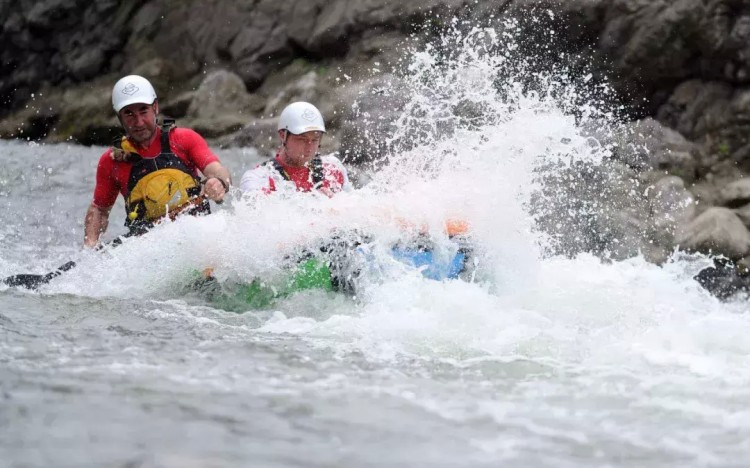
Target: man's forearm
[(95, 224)]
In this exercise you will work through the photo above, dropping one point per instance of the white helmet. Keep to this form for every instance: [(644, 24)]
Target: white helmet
[(301, 117), (132, 89)]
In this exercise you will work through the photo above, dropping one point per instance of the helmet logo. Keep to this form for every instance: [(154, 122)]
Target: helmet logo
[(130, 89), (308, 115)]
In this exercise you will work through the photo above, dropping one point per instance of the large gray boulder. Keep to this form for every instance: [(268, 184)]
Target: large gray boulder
[(744, 214), (221, 92), (601, 209), (647, 144), (717, 231), (672, 208), (57, 43), (654, 44), (735, 194), (696, 107), (715, 113), (220, 105), (372, 119)]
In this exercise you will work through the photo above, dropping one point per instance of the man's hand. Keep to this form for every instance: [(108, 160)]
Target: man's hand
[(217, 181), (214, 189)]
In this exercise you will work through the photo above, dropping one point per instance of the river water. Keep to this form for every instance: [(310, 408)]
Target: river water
[(537, 360)]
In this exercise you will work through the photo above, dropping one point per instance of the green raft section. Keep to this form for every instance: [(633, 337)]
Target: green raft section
[(258, 294), (310, 274)]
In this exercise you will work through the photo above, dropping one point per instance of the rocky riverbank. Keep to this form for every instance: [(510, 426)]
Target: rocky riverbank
[(679, 68)]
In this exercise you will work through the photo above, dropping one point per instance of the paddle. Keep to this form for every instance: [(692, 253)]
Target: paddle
[(32, 281)]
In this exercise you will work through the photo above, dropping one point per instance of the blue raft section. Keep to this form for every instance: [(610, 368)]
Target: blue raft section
[(430, 265)]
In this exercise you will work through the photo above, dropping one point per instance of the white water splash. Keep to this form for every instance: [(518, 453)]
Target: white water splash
[(568, 312)]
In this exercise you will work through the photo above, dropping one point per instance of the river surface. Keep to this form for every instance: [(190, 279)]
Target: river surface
[(536, 361)]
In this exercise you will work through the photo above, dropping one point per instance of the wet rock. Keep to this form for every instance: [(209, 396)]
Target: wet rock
[(372, 121), (715, 114), (716, 231), (307, 87), (735, 194), (82, 115), (734, 136), (696, 108), (219, 106), (221, 92), (744, 214), (707, 189), (672, 208), (602, 210), (258, 133), (177, 107), (647, 144), (725, 278), (216, 126), (657, 44), (56, 42)]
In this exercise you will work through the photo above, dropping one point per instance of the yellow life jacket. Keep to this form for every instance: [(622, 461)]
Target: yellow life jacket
[(157, 186)]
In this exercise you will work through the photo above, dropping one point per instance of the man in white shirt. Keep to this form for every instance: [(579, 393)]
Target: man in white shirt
[(297, 163)]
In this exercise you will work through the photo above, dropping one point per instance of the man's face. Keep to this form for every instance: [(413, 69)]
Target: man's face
[(300, 149), (139, 121)]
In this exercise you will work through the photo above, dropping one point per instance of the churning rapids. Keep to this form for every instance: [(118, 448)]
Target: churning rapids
[(540, 361)]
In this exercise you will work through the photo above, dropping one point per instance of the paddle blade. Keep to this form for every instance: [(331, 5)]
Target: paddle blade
[(30, 281), (25, 281)]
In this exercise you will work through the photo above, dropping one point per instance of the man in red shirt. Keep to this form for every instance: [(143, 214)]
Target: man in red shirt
[(154, 168), (297, 164)]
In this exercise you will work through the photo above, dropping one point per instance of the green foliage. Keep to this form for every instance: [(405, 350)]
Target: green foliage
[(724, 149), (303, 66)]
